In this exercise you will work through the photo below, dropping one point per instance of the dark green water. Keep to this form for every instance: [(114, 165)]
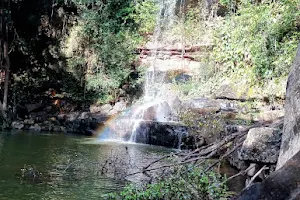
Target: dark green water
[(71, 167)]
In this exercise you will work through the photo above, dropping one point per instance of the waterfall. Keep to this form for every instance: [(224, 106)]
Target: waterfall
[(154, 104), (155, 92)]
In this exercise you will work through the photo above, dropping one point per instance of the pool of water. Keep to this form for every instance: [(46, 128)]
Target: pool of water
[(67, 166)]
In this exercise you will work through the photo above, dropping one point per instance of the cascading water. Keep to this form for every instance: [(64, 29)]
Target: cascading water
[(155, 91), (154, 106)]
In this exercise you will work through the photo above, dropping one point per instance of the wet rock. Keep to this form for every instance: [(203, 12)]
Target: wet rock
[(54, 122), (63, 129), (160, 111), (57, 129), (31, 174), (17, 125), (261, 145), (28, 121), (118, 107), (46, 128), (35, 127), (81, 126), (162, 134)]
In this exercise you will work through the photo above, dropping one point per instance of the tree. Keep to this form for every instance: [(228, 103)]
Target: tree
[(4, 57)]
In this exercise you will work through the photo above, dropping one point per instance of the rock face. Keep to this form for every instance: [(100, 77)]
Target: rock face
[(17, 125), (261, 145), (283, 184), (202, 105), (84, 123), (160, 111), (291, 132), (226, 92), (162, 134)]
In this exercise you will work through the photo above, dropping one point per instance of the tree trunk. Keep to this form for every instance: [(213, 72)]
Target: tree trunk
[(6, 82), (1, 46), (5, 62)]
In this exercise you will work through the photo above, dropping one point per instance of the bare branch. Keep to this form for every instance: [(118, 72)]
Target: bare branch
[(258, 173)]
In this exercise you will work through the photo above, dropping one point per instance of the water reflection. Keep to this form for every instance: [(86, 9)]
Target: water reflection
[(72, 167)]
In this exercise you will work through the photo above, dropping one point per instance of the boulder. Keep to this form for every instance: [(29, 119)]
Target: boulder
[(269, 116), (261, 145), (291, 132), (80, 126), (202, 105), (35, 127), (174, 102), (226, 92), (17, 125), (103, 109), (39, 116), (46, 127), (182, 78), (228, 106), (84, 115), (157, 111), (162, 134), (233, 158), (282, 184), (28, 121), (118, 107), (73, 116), (57, 129)]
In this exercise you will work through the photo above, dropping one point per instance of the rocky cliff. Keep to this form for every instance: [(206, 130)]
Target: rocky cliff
[(291, 134)]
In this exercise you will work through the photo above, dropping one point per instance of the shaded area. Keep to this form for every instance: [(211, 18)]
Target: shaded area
[(70, 166)]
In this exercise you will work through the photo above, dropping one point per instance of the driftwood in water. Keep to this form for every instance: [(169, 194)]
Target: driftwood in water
[(200, 154)]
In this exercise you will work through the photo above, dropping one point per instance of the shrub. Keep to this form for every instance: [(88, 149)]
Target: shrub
[(101, 45), (263, 36), (184, 183)]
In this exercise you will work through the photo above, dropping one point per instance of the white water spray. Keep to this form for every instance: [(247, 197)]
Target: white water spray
[(154, 106), (155, 94)]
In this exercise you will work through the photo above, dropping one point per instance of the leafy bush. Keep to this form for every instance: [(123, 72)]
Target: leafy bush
[(263, 36), (101, 46), (145, 16), (185, 183)]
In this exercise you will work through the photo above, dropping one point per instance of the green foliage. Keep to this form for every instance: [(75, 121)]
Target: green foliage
[(189, 26), (101, 46), (145, 15), (185, 183), (204, 122), (263, 36)]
